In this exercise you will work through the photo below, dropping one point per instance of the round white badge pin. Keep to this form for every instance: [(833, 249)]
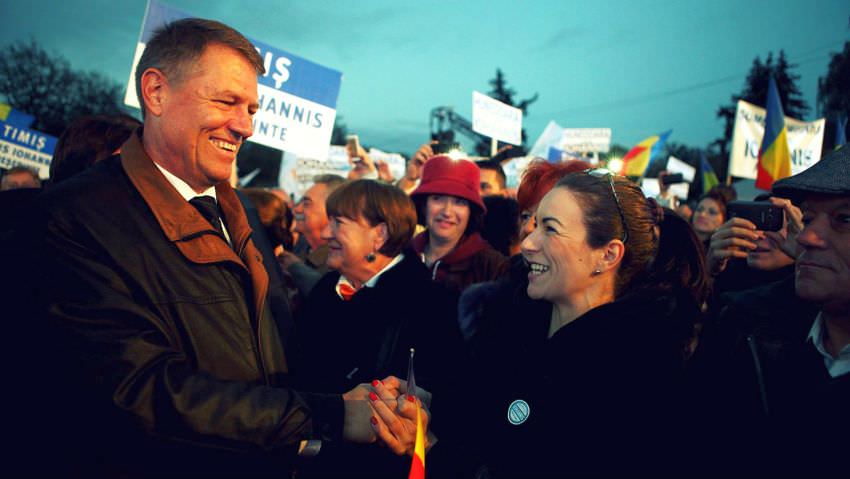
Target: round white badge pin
[(518, 412)]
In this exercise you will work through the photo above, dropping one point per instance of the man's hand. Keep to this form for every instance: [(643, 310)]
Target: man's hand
[(786, 238), (356, 426), (734, 239)]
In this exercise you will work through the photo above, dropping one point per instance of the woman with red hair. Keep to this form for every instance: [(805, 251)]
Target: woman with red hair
[(539, 177)]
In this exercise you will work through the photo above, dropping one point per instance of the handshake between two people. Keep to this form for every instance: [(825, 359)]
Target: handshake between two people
[(383, 412)]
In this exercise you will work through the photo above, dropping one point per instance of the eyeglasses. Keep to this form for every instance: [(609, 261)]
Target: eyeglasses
[(602, 173)]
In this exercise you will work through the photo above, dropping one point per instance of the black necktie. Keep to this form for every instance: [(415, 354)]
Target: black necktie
[(208, 208)]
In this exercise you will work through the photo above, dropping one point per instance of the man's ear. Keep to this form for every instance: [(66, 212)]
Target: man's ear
[(154, 86)]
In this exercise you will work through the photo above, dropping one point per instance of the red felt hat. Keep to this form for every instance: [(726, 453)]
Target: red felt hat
[(443, 175)]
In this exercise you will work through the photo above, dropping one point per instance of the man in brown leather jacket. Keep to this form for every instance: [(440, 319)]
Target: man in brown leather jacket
[(156, 293)]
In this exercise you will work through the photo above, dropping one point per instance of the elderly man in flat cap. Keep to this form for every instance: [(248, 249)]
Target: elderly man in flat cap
[(781, 390)]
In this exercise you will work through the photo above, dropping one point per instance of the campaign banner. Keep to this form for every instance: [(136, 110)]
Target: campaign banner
[(15, 117), (495, 119), (297, 172), (557, 156), (586, 140), (805, 141), (297, 97), (24, 147)]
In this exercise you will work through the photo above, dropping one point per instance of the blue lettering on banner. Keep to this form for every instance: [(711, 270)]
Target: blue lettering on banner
[(291, 112), (27, 138), (269, 130)]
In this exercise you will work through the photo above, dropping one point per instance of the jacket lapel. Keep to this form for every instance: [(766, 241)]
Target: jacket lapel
[(184, 226)]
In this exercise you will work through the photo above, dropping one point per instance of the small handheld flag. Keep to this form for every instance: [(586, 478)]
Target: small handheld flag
[(709, 178), (774, 160), (417, 465)]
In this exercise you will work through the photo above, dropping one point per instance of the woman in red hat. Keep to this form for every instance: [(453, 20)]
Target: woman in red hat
[(450, 207)]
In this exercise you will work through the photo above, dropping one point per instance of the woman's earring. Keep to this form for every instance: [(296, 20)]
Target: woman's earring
[(597, 272), (370, 257)]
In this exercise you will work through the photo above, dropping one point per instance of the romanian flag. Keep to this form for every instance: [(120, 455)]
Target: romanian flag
[(709, 178), (417, 466), (774, 161), (638, 159)]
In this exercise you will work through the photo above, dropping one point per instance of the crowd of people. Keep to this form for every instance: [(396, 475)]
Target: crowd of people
[(166, 323)]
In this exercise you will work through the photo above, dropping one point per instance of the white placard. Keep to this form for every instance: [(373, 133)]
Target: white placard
[(495, 119), (651, 187), (586, 140), (805, 141), (297, 172), (550, 137), (675, 165)]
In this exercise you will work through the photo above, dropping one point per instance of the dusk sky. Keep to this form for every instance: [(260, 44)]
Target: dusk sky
[(638, 67)]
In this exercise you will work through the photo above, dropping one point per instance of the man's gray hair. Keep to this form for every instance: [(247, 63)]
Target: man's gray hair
[(177, 45), (331, 181)]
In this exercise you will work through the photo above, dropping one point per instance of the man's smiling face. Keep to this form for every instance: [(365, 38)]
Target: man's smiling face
[(207, 115)]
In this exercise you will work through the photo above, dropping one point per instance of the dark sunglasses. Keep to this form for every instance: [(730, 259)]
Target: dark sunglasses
[(603, 173)]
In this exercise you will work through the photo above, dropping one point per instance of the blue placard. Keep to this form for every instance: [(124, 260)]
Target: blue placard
[(299, 77), (31, 139), (15, 117), (284, 71)]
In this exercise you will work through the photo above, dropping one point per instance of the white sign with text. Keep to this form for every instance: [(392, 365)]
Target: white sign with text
[(805, 141), (495, 119)]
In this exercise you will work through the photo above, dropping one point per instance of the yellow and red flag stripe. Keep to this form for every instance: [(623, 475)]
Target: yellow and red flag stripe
[(417, 465), (638, 159)]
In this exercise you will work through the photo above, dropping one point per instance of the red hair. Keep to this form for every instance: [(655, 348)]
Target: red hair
[(540, 176)]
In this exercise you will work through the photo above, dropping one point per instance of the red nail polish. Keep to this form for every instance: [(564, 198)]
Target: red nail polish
[(411, 398), (375, 383), (374, 421), (373, 396)]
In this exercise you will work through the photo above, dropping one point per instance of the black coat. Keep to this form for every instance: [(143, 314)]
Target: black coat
[(162, 331), (602, 393), (768, 403), (345, 343)]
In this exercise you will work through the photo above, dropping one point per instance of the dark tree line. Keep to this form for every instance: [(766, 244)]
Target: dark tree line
[(45, 86)]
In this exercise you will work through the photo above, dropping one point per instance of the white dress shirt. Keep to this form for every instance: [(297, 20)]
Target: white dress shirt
[(188, 193), (835, 366)]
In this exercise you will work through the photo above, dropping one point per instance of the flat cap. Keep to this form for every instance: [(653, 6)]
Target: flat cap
[(829, 176)]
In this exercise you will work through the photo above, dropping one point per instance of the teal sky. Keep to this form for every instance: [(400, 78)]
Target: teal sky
[(638, 67)]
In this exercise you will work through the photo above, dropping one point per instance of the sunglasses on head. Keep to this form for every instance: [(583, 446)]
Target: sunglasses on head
[(603, 173)]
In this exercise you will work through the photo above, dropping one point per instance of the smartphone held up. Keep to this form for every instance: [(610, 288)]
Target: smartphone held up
[(352, 144), (764, 214)]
